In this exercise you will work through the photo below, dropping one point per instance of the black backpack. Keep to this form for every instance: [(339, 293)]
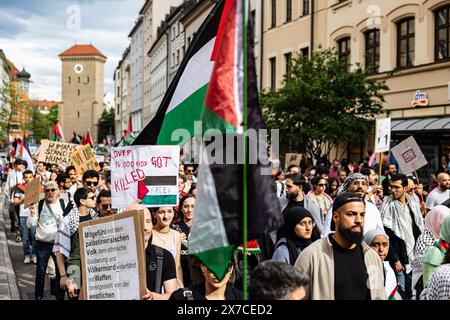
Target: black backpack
[(41, 205)]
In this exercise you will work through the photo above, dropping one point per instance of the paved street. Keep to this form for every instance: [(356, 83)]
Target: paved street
[(16, 278)]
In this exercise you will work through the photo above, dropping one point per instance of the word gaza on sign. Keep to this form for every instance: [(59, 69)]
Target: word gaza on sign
[(147, 173), (57, 152)]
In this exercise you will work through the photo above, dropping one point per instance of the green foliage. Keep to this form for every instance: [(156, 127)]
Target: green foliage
[(106, 124), (9, 104), (323, 105), (52, 116), (38, 125)]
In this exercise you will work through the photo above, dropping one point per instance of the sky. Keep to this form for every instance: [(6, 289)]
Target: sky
[(34, 32)]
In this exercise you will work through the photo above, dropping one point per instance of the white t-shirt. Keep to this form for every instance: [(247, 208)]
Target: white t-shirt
[(22, 211), (436, 197)]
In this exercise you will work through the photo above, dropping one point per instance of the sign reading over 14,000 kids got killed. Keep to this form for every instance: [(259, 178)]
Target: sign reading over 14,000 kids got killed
[(148, 173)]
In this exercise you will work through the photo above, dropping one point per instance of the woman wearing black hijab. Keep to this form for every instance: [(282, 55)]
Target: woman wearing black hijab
[(299, 226)]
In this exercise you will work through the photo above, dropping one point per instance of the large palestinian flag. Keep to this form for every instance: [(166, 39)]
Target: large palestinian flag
[(183, 102), (217, 227)]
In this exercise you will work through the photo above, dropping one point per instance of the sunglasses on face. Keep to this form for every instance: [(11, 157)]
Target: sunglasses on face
[(106, 206), (50, 190), (322, 184), (91, 183)]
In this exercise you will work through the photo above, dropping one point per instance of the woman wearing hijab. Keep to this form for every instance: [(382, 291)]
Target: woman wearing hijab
[(433, 255), (299, 225), (378, 240), (439, 286), (433, 222)]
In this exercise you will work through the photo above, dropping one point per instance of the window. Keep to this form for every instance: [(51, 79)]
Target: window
[(405, 43), (305, 7), (184, 50), (118, 91), (88, 79), (253, 20), (273, 22), (173, 58), (78, 114), (442, 35), (178, 56), (344, 49), (273, 72), (305, 51), (70, 80), (287, 60), (79, 79), (288, 10), (188, 41), (78, 91), (373, 50)]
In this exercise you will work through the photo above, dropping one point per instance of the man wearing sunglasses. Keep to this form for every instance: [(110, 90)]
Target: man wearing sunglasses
[(90, 180), (104, 207), (46, 218)]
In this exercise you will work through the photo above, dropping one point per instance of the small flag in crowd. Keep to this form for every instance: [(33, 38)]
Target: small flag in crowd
[(57, 134)]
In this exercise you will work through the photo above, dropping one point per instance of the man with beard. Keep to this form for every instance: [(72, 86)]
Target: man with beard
[(295, 184), (391, 170), (403, 224), (374, 192), (359, 184), (341, 266), (441, 193)]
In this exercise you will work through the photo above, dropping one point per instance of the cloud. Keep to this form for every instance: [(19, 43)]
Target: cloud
[(34, 33)]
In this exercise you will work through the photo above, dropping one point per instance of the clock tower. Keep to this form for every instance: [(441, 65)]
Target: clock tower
[(82, 90)]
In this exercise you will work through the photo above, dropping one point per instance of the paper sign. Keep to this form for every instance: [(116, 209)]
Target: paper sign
[(409, 156), (56, 152), (112, 257), (84, 159), (149, 173), (382, 135), (292, 158), (32, 192)]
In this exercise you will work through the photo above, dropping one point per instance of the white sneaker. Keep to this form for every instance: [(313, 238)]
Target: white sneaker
[(34, 259), (27, 260)]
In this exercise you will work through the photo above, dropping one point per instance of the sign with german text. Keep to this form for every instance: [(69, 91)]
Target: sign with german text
[(84, 159), (57, 152), (148, 173), (409, 156), (112, 257), (382, 135), (32, 192)]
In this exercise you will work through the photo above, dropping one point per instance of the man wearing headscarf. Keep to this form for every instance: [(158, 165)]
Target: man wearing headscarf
[(358, 183), (433, 222), (341, 266)]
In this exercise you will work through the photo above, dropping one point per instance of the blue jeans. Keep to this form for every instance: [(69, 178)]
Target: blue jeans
[(405, 284), (28, 234), (44, 251)]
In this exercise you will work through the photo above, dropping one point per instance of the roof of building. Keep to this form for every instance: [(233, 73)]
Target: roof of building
[(47, 103), (24, 74), (82, 50)]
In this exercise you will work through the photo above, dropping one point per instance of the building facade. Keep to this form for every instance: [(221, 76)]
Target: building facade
[(159, 70), (137, 73), (82, 90)]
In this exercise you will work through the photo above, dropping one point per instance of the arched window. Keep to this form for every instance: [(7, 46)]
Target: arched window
[(442, 33), (405, 42)]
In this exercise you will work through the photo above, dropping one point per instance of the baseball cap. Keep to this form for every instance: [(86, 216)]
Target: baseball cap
[(341, 200)]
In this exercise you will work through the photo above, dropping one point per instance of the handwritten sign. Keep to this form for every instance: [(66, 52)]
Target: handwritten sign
[(112, 257), (56, 152), (409, 156), (84, 159), (32, 192), (382, 135), (149, 173), (292, 158)]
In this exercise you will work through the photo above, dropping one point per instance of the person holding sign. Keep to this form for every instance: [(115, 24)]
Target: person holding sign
[(159, 265), (28, 234), (168, 238)]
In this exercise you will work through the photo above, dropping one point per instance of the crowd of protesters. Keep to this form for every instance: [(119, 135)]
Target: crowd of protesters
[(346, 235)]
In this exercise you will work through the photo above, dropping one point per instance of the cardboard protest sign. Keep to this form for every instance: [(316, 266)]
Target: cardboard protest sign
[(84, 159), (56, 152), (382, 135), (409, 156), (32, 192), (112, 257), (149, 173), (292, 158)]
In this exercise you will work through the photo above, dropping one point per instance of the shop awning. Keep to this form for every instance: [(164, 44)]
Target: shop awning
[(426, 124)]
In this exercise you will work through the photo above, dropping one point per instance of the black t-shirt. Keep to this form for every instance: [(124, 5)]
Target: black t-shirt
[(184, 258), (168, 269), (350, 273), (198, 293)]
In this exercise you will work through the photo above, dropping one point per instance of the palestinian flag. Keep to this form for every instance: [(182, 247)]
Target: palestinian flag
[(183, 102), (57, 134), (217, 229), (167, 182), (76, 138), (22, 152), (89, 138)]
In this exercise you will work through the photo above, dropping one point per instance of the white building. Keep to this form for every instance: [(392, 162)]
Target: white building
[(137, 73), (158, 71)]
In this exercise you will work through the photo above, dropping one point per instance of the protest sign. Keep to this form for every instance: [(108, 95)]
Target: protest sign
[(32, 192), (56, 152), (382, 135), (292, 158), (112, 257), (409, 156), (84, 159), (149, 173)]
